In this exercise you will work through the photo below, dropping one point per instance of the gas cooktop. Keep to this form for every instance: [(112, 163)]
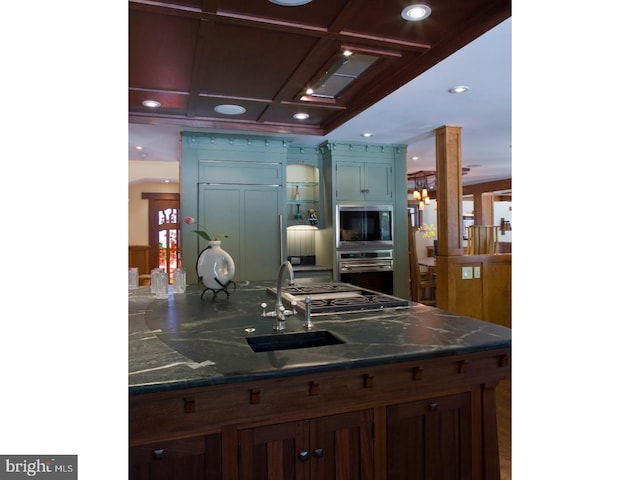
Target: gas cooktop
[(337, 297)]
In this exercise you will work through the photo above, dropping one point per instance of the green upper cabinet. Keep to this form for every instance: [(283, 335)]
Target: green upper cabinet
[(364, 181), (363, 172)]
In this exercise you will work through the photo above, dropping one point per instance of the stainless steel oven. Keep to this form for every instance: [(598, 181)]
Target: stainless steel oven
[(372, 269)]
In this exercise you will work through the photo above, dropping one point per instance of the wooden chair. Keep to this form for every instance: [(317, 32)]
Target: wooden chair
[(421, 280)]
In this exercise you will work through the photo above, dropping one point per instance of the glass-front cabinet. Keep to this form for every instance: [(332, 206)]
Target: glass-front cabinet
[(303, 195)]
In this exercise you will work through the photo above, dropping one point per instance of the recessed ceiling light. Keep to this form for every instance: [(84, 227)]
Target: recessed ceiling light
[(290, 3), (228, 109), (415, 158), (459, 89), (138, 147), (300, 116), (367, 134), (414, 13), (151, 103)]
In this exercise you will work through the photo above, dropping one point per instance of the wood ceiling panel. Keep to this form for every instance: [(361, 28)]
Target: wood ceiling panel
[(161, 49), (283, 114), (384, 20), (205, 107), (317, 13), (232, 67), (171, 103)]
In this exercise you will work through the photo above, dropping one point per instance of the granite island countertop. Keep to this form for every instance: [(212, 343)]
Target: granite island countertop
[(187, 341)]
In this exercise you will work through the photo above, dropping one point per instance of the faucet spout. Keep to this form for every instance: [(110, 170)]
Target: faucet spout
[(279, 322)]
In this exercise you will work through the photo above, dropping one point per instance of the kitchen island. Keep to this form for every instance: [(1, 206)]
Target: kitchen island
[(409, 394)]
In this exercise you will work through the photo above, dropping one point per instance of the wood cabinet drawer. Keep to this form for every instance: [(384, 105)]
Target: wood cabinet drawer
[(169, 450), (207, 410)]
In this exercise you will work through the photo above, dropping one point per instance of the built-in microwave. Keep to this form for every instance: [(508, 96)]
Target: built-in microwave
[(364, 226)]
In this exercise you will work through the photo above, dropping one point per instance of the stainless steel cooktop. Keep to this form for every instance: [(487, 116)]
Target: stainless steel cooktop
[(337, 297)]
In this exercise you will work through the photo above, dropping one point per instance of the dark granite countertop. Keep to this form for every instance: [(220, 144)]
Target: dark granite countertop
[(185, 341)]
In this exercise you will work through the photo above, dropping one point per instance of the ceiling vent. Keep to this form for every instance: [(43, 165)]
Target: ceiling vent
[(340, 74)]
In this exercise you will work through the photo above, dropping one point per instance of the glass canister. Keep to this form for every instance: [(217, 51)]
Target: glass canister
[(154, 278), (179, 280), (133, 278), (162, 284)]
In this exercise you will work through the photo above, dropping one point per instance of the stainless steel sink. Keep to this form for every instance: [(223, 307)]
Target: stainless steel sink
[(289, 341)]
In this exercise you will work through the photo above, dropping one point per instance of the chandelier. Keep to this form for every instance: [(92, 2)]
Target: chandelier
[(423, 182)]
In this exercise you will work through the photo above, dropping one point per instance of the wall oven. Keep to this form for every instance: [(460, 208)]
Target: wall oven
[(372, 269), (364, 226)]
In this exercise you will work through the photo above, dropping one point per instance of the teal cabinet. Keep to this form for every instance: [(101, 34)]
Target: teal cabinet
[(364, 181), (235, 185), (251, 216)]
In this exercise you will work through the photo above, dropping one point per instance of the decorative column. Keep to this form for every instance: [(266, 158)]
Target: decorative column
[(483, 208), (449, 175)]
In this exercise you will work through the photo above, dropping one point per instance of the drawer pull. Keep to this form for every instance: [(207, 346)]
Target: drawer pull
[(314, 388), (303, 455), (433, 407), (158, 453), (318, 453), (254, 397), (189, 405), (417, 373), (368, 380), (462, 366)]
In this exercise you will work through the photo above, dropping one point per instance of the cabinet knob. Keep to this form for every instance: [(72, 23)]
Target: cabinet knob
[(158, 453), (318, 452), (433, 407), (303, 455)]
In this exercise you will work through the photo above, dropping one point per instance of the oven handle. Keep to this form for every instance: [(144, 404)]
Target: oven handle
[(366, 268)]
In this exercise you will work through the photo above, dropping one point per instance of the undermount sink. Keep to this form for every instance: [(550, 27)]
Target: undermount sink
[(289, 341)]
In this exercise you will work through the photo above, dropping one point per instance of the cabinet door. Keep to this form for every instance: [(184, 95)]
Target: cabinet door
[(249, 214), (274, 452), (187, 459), (336, 447), (342, 446), (377, 181), (430, 439), (349, 176)]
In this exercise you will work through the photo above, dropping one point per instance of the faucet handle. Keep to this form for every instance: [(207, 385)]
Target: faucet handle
[(307, 311)]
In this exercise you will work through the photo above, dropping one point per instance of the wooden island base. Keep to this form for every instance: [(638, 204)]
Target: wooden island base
[(432, 418)]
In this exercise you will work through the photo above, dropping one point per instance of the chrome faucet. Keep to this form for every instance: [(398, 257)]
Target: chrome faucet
[(279, 312)]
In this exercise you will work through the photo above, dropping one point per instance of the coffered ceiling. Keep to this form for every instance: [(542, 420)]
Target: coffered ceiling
[(256, 59)]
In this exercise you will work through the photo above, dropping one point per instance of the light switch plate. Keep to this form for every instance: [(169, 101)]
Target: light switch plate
[(467, 273), (476, 272)]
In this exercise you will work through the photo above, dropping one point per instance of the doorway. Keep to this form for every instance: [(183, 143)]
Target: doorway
[(164, 231)]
